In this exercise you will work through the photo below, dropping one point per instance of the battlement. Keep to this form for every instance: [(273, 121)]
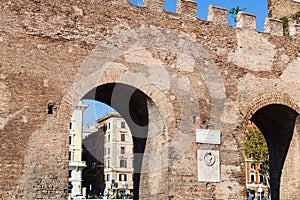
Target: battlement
[(187, 8), (218, 15)]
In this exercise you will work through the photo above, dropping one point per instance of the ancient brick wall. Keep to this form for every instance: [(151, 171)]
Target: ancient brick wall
[(54, 53), (282, 8)]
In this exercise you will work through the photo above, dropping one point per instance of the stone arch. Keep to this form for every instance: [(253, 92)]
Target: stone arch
[(276, 116), (151, 123), (166, 66), (142, 60)]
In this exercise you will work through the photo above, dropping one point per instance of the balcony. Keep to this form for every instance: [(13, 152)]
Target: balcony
[(73, 163)]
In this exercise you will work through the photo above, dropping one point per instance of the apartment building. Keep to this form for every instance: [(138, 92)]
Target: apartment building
[(118, 154)]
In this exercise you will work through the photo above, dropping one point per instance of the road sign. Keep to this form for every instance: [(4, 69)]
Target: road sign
[(112, 181), (126, 186)]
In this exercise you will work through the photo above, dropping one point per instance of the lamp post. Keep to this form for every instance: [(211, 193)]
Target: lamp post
[(260, 191)]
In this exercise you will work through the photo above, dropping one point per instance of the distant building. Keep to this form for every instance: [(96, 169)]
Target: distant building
[(254, 179), (87, 130), (76, 164), (118, 153)]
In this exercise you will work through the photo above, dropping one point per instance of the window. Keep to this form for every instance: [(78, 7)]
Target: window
[(252, 178), (252, 166), (108, 177), (108, 138), (108, 125), (123, 163), (70, 125), (70, 139), (261, 166), (122, 124), (122, 137), (261, 178), (108, 163), (50, 108), (122, 150), (122, 177), (108, 151), (70, 155), (94, 164)]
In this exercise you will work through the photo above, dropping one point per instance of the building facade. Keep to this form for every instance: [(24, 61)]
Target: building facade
[(255, 180), (118, 154), (76, 164)]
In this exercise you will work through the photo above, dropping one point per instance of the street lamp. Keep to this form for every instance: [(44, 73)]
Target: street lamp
[(260, 191)]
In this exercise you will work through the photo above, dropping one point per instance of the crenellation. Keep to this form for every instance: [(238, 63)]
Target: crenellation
[(217, 15), (157, 5), (245, 20), (187, 8), (273, 26), (294, 27)]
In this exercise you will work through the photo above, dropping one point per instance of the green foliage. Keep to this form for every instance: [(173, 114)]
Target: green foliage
[(285, 22), (234, 11), (296, 17), (256, 145), (257, 149)]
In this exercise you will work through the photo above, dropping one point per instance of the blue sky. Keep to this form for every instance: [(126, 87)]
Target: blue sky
[(95, 110), (256, 7)]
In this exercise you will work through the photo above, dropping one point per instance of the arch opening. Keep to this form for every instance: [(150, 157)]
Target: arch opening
[(277, 123), (132, 104)]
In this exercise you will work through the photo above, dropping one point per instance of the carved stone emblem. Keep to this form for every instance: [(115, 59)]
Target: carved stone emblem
[(209, 158)]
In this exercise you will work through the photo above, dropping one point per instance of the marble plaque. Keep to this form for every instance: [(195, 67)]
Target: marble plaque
[(208, 166), (208, 136)]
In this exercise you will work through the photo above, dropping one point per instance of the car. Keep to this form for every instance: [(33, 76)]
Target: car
[(78, 197)]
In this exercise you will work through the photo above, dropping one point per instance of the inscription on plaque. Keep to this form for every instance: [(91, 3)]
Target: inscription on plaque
[(208, 136), (208, 166)]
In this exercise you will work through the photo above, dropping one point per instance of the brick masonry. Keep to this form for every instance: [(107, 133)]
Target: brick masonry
[(55, 53), (281, 8)]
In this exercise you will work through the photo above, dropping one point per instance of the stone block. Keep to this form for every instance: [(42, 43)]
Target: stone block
[(294, 27), (273, 26), (217, 15), (157, 5), (187, 8), (245, 20)]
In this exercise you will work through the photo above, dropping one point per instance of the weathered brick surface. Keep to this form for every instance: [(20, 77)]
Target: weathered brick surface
[(57, 52), (281, 8)]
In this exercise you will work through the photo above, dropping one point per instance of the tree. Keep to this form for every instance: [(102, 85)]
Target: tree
[(257, 149), (234, 11)]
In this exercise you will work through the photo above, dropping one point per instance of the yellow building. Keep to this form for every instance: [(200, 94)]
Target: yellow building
[(118, 153)]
